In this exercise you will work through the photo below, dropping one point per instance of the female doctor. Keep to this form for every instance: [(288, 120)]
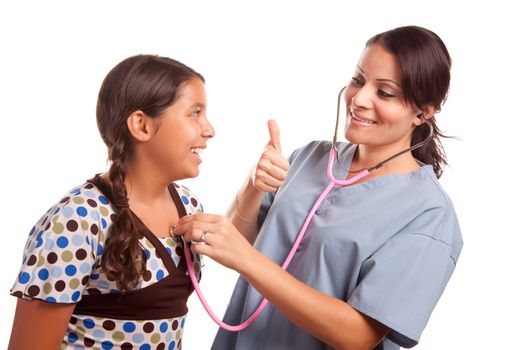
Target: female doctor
[(378, 253)]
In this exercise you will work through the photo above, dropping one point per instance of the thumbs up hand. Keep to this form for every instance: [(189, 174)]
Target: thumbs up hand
[(272, 168)]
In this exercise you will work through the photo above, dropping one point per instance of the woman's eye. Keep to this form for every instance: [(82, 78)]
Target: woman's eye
[(357, 82), (383, 93), (196, 114)]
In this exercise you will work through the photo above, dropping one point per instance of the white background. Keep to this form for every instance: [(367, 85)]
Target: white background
[(281, 60)]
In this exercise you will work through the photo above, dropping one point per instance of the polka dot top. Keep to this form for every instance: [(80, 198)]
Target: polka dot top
[(61, 263)]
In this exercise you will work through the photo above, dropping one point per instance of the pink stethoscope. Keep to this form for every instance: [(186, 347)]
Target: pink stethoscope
[(306, 224)]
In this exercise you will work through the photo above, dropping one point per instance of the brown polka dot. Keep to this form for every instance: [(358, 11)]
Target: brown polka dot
[(81, 254), (85, 280), (146, 275), (108, 325), (93, 291), (92, 203), (89, 185), (89, 342), (148, 327), (52, 258), (126, 346), (32, 260), (60, 285), (161, 346), (33, 290), (65, 199), (193, 201), (179, 251), (175, 325), (94, 229), (47, 226), (73, 320), (176, 185), (113, 217), (72, 225), (18, 294)]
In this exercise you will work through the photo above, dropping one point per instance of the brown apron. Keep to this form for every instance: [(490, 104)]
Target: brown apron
[(161, 300)]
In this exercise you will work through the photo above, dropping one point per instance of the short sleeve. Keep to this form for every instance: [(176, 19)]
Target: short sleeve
[(400, 284), (61, 250)]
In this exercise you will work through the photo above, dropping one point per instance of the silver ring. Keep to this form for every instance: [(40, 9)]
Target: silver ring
[(204, 236)]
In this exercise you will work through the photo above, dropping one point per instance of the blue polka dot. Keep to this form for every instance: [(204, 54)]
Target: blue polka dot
[(163, 327), (138, 338), (104, 223), (64, 298), (32, 230), (62, 242), (98, 334), (24, 278), (148, 254), (103, 284), (129, 327), (89, 323), (154, 264), (95, 215), (72, 337), (114, 291), (94, 276), (77, 240), (84, 268), (51, 299), (172, 345), (68, 212), (100, 249), (71, 270), (182, 323), (56, 271), (75, 296), (145, 347), (185, 200), (43, 274), (87, 240), (160, 275), (49, 244), (89, 194), (56, 210), (107, 345), (103, 200), (81, 211), (39, 242), (75, 191), (169, 251)]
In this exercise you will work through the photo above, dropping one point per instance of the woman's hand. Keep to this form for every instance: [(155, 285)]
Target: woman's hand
[(272, 168), (215, 237)]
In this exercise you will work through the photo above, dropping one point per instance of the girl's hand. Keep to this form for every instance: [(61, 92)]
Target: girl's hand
[(215, 237), (272, 168)]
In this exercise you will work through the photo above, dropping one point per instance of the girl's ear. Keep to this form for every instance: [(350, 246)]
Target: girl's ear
[(139, 126)]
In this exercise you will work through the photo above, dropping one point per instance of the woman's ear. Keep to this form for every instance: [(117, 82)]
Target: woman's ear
[(427, 112), (139, 126)]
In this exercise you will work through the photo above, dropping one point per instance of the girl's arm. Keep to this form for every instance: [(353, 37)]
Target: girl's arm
[(39, 325)]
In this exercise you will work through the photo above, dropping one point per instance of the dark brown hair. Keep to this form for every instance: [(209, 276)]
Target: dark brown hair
[(425, 78), (150, 84)]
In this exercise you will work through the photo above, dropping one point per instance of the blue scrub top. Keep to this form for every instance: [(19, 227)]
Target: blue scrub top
[(387, 246)]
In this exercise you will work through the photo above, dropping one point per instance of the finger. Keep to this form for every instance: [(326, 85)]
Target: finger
[(271, 170), (275, 136), (199, 217)]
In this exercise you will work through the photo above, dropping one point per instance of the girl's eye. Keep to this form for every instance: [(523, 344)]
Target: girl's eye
[(357, 82), (196, 113), (383, 93)]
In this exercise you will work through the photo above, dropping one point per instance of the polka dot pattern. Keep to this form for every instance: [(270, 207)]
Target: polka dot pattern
[(62, 262)]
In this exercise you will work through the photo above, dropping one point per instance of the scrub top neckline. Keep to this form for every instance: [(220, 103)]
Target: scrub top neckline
[(346, 154)]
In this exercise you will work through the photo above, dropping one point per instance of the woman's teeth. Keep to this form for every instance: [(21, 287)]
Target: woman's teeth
[(369, 122), (198, 151)]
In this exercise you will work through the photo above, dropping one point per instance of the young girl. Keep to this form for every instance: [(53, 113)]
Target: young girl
[(378, 253), (100, 268)]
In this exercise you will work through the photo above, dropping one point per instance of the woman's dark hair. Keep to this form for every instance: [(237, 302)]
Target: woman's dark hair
[(425, 78), (150, 84)]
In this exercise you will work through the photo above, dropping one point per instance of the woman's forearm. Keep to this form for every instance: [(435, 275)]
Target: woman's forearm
[(329, 319)]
